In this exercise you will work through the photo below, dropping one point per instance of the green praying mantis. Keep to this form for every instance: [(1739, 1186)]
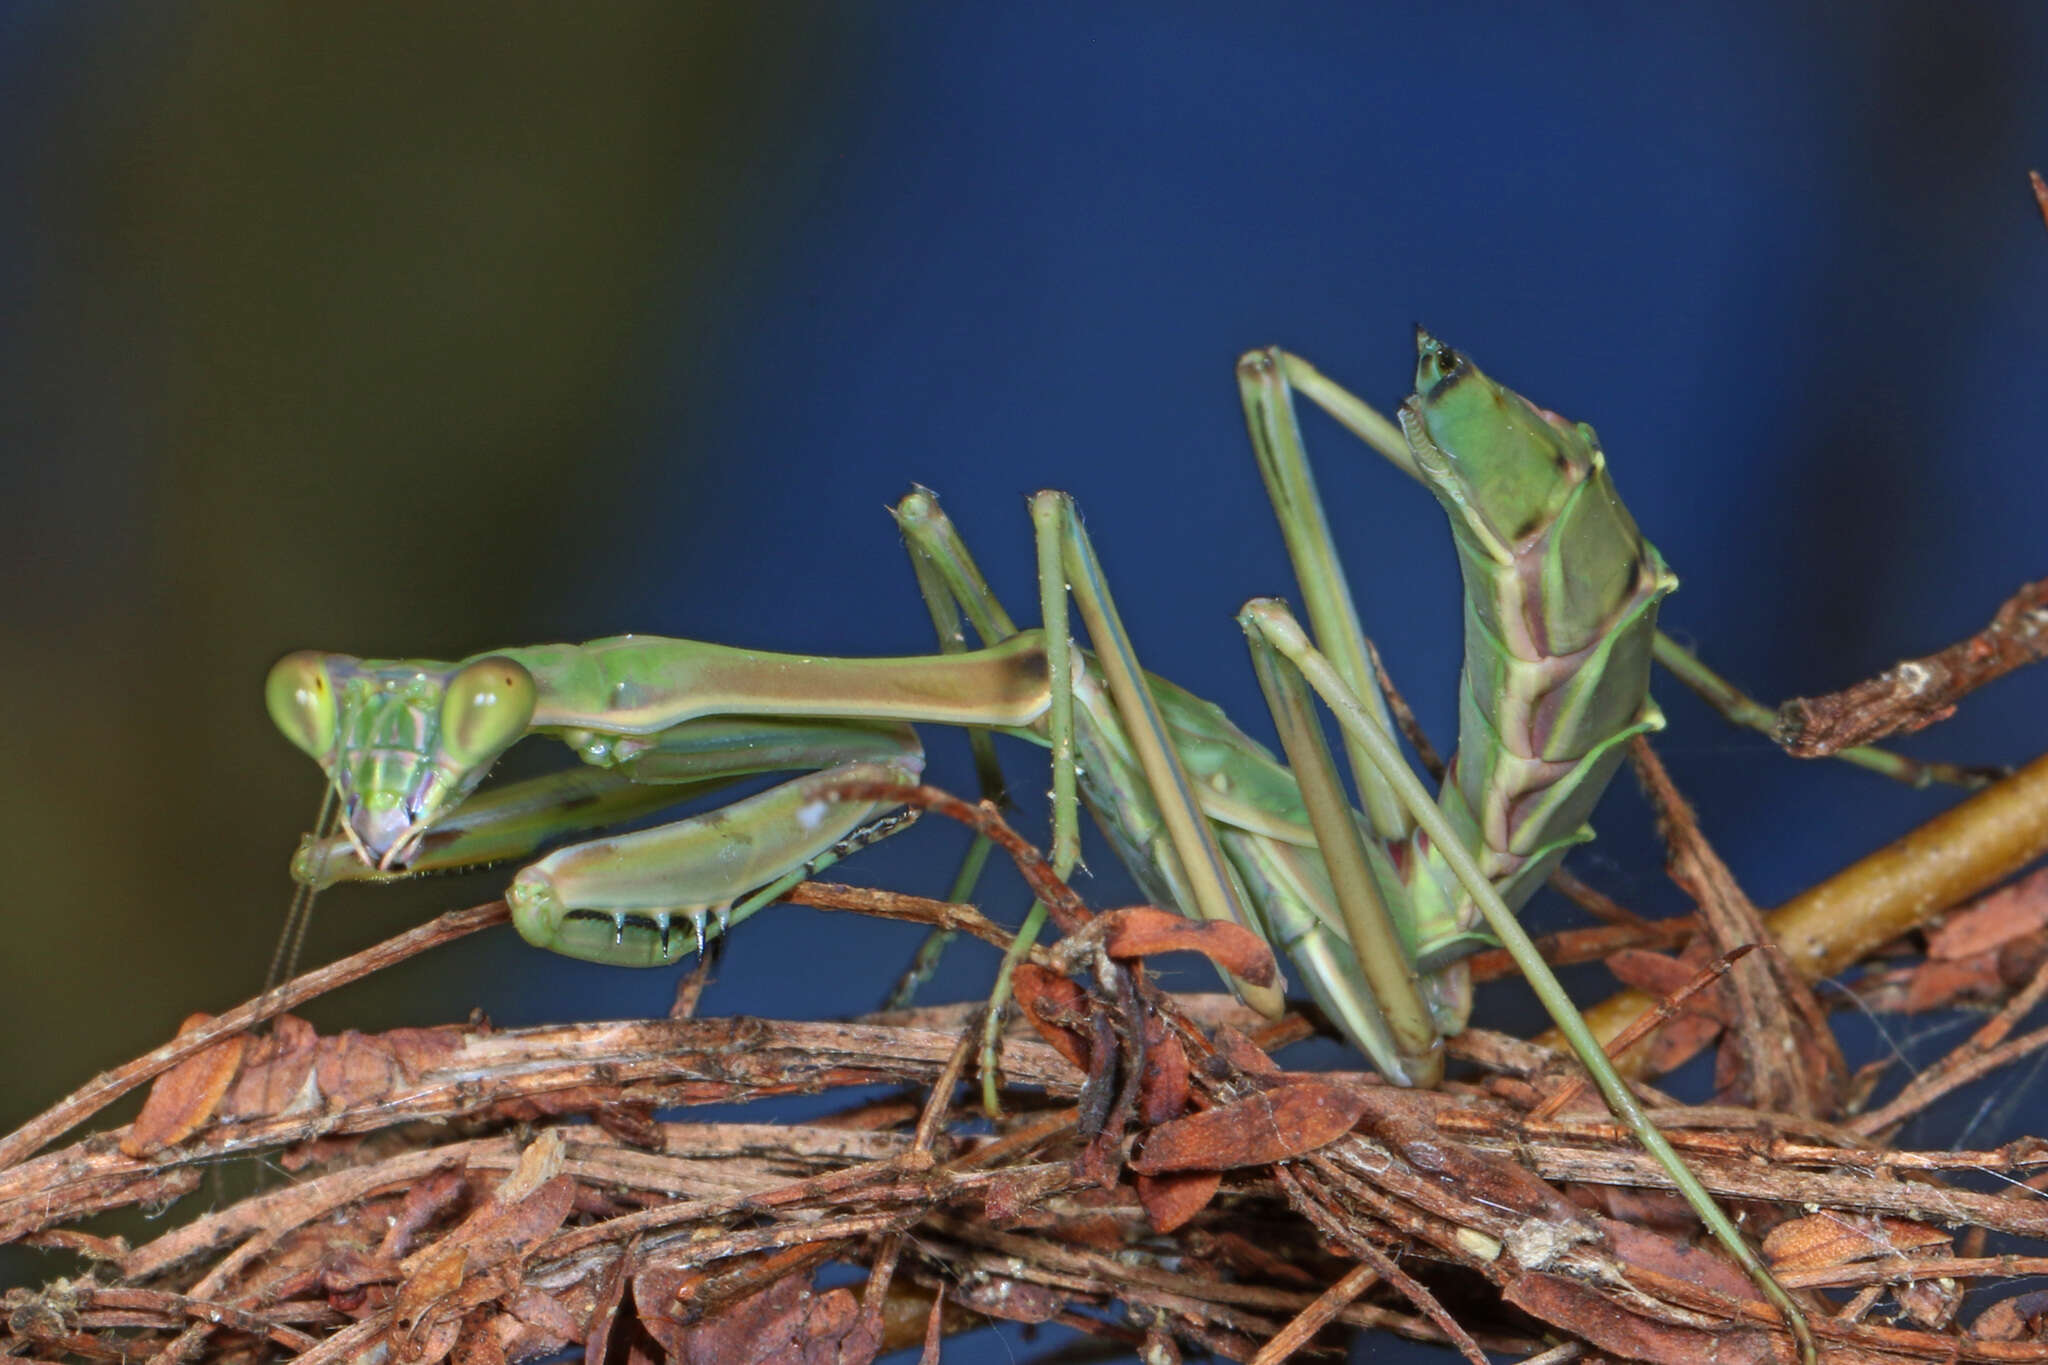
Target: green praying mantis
[(1561, 600), (1377, 906)]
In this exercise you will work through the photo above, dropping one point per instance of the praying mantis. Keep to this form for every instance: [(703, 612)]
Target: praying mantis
[(1377, 906)]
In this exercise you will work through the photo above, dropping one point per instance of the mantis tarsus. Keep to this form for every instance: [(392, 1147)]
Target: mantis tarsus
[(1377, 906)]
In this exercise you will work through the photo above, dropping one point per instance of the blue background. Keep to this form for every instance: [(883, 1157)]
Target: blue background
[(426, 337)]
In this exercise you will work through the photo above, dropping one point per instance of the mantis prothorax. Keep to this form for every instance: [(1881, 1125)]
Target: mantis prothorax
[(1378, 907)]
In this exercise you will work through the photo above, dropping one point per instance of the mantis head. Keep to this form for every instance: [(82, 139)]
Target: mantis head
[(402, 744)]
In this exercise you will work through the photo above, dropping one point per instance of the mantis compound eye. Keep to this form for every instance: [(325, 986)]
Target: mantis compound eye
[(487, 706), (300, 695)]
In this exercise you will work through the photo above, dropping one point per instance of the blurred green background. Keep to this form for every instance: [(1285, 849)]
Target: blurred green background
[(422, 331)]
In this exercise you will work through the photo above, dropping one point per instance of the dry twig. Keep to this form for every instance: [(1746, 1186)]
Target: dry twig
[(1916, 693)]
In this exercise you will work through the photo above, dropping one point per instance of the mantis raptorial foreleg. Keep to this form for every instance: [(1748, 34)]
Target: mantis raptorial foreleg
[(406, 743)]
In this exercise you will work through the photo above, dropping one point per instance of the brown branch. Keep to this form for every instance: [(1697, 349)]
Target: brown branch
[(1786, 1059), (1959, 853), (448, 1197), (1916, 693), (103, 1090), (895, 905), (1476, 1202)]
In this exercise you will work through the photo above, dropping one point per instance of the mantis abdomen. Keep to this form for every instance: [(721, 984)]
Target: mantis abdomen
[(1561, 594)]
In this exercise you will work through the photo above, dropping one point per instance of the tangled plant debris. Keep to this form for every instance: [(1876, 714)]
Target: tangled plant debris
[(1157, 1179)]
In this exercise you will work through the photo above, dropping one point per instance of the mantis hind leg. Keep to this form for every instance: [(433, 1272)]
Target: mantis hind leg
[(951, 582), (1138, 780), (1275, 371), (1264, 874), (1382, 956), (1281, 648), (1106, 706), (1739, 708), (1268, 397), (1134, 767)]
